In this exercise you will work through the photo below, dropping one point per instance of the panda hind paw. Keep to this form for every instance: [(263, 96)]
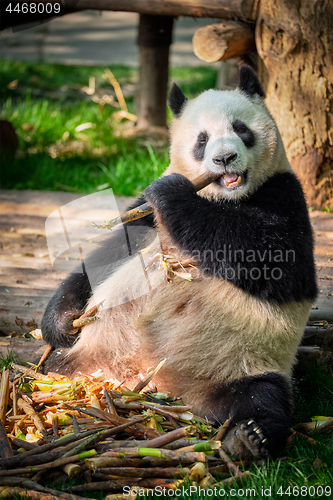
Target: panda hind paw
[(254, 439)]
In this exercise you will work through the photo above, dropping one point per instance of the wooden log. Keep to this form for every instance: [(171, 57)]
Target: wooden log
[(222, 9), (321, 315), (218, 42)]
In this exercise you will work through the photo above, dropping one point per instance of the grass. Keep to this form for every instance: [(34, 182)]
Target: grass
[(6, 360), (46, 104)]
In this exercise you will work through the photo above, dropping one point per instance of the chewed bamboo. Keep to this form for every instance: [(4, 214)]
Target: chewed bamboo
[(199, 183), (145, 381), (198, 472)]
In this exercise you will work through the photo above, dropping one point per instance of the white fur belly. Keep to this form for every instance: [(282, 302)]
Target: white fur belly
[(208, 330), (216, 332)]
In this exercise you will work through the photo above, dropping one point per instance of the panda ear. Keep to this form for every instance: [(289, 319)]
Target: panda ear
[(176, 100), (249, 82)]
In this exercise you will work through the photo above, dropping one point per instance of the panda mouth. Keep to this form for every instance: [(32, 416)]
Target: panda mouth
[(232, 180)]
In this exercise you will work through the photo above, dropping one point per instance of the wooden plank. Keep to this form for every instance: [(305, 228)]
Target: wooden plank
[(27, 350), (26, 278), (221, 9)]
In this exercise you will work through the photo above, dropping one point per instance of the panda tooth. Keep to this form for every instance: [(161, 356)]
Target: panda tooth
[(239, 180)]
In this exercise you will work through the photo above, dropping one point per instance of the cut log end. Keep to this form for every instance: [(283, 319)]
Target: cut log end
[(218, 42)]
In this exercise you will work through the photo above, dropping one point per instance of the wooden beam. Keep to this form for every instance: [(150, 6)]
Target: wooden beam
[(221, 9), (218, 42), (154, 40)]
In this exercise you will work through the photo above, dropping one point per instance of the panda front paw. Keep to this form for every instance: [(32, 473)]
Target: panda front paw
[(167, 191), (58, 329), (254, 439)]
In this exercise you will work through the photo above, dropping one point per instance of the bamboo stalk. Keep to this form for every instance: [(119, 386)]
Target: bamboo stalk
[(101, 462), (14, 399), (109, 401), (198, 472), (28, 410), (115, 484), (166, 472), (20, 443), (76, 426), (153, 482), (28, 484), (133, 426), (4, 394), (231, 466), (87, 442), (49, 465), (199, 183), (169, 437), (145, 381), (183, 457), (87, 317), (324, 427), (205, 446), (222, 430), (162, 411), (55, 425), (5, 448), (45, 354), (104, 446), (237, 479), (25, 370), (12, 492), (72, 470), (17, 460)]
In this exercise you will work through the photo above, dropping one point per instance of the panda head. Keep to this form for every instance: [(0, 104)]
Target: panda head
[(229, 132)]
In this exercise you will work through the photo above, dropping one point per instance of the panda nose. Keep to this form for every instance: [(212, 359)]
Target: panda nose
[(224, 159)]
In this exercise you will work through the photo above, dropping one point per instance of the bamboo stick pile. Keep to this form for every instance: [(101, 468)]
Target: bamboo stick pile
[(108, 437), (53, 429)]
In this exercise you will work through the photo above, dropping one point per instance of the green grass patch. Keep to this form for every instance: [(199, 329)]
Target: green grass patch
[(46, 103), (6, 360)]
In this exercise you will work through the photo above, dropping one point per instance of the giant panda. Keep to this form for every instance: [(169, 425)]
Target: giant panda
[(230, 334)]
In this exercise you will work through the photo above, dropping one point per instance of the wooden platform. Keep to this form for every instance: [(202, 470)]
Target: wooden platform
[(28, 280)]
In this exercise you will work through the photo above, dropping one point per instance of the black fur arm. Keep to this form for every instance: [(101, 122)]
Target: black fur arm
[(263, 244), (71, 297)]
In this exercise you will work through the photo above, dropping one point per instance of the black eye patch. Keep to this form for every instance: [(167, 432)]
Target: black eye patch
[(200, 146), (244, 133)]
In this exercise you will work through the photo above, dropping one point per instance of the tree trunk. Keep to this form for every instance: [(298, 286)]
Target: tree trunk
[(154, 39), (294, 41)]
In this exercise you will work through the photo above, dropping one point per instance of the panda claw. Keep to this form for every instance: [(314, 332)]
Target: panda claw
[(253, 438)]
